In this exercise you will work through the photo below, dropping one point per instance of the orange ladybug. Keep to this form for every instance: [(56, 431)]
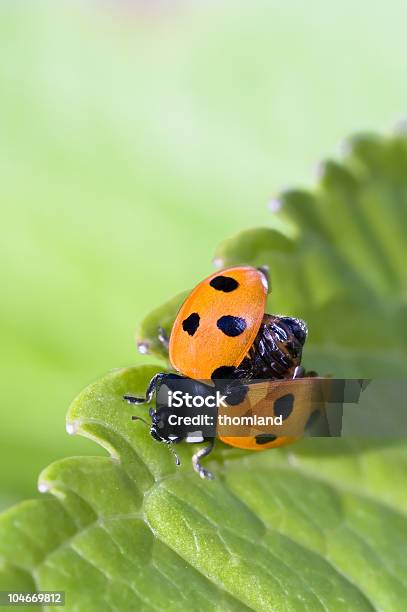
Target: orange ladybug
[(222, 334)]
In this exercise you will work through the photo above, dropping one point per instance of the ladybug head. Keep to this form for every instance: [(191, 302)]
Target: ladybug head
[(160, 429)]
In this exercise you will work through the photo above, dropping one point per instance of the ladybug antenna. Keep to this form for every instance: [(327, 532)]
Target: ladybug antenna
[(171, 449), (139, 418)]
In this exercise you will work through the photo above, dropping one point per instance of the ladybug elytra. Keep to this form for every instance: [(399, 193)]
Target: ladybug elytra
[(222, 333)]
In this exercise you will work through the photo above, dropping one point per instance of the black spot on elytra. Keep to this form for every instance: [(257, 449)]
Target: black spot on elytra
[(236, 395), (312, 419), (231, 326), (283, 406), (224, 283), (265, 438), (223, 372), (191, 323)]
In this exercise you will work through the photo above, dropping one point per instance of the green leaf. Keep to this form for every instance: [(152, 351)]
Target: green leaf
[(275, 531), (320, 525)]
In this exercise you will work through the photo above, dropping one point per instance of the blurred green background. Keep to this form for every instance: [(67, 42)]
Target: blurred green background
[(134, 137)]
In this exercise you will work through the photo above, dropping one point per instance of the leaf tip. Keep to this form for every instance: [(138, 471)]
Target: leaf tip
[(274, 205), (43, 487), (400, 128), (218, 262), (345, 147), (72, 428), (320, 170), (143, 347)]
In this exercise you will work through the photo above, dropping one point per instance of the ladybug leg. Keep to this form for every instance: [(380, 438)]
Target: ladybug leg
[(151, 389), (163, 337), (301, 372), (196, 461), (310, 373)]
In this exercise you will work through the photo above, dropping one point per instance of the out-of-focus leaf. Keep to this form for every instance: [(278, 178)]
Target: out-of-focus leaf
[(275, 531)]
